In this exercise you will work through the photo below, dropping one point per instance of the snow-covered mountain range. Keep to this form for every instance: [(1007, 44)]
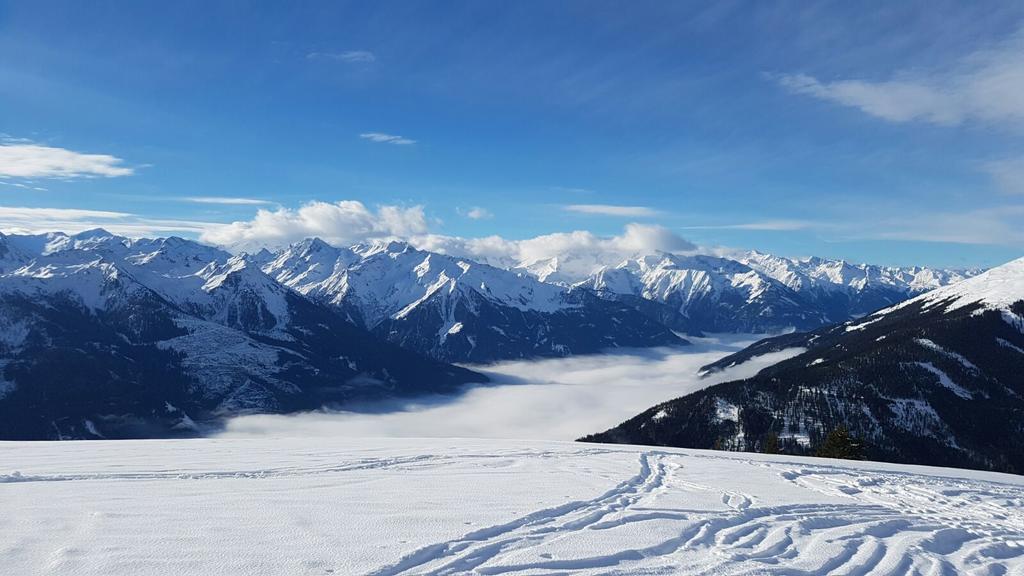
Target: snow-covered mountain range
[(706, 293), (933, 380), (759, 293), (104, 336), (455, 309), (842, 290), (211, 334)]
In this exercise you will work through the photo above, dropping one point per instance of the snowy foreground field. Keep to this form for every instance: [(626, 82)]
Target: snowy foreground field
[(401, 506)]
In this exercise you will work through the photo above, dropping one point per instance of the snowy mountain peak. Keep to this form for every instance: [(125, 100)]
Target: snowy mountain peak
[(391, 247), (92, 234), (314, 245), (263, 256), (998, 289), (92, 239)]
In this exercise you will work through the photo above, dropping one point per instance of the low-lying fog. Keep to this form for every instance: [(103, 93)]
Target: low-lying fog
[(557, 399)]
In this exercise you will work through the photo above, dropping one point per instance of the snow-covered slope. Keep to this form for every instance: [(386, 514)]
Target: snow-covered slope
[(839, 274), (358, 507), (842, 290), (457, 309), (705, 293), (996, 289), (934, 380), (746, 292), (389, 279)]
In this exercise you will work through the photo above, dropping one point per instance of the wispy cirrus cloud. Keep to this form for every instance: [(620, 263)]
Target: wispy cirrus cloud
[(992, 226), (999, 226), (382, 138), (26, 220), (227, 200), (613, 210), (762, 225), (27, 160), (985, 85), (27, 185), (571, 189), (1007, 174), (352, 56)]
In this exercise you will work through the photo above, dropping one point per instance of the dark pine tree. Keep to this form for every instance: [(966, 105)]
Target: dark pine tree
[(840, 444)]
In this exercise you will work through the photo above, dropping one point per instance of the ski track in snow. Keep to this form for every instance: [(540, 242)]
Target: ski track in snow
[(440, 507)]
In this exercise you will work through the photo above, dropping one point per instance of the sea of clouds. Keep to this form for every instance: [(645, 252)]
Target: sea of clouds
[(554, 399)]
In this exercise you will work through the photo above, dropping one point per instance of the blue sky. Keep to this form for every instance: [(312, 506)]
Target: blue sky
[(881, 133)]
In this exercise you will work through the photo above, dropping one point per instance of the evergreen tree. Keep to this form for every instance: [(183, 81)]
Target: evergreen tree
[(840, 444)]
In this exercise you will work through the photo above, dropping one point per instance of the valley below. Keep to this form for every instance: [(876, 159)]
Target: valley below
[(550, 399)]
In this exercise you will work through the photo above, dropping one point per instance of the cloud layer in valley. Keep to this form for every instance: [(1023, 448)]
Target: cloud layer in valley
[(559, 399)]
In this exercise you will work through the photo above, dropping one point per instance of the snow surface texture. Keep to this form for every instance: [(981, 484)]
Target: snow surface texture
[(387, 507)]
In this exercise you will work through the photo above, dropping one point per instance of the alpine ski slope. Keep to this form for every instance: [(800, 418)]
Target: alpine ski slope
[(449, 506)]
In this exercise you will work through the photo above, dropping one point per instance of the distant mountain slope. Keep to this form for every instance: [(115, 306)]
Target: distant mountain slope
[(705, 294), (934, 380), (455, 309), (841, 290), (753, 292), (108, 337)]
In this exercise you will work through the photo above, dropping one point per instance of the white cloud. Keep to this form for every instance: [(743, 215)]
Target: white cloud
[(353, 56), (995, 226), (571, 190), (382, 138), (578, 253), (612, 210), (984, 86), (560, 399), (1007, 174), (21, 220), (342, 223), (345, 223), (763, 225), (27, 185), (476, 213), (228, 200), (21, 160)]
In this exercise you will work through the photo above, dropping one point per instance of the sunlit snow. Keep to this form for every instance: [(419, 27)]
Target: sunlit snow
[(415, 506)]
